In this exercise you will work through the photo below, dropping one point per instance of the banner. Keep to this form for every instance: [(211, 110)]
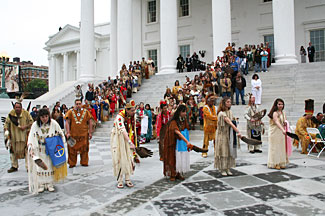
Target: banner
[(11, 77)]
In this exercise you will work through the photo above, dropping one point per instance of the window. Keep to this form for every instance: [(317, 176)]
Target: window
[(267, 1), (153, 55), (184, 8), (317, 40), (184, 50), (152, 15), (270, 39)]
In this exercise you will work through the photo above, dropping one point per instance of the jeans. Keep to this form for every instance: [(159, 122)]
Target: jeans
[(242, 68), (242, 94), (257, 67), (264, 66), (226, 94), (246, 69)]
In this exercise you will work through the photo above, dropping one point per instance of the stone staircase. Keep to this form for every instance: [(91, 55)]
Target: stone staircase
[(292, 83), (63, 93)]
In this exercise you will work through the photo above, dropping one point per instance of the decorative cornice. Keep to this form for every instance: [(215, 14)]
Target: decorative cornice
[(265, 28), (313, 21)]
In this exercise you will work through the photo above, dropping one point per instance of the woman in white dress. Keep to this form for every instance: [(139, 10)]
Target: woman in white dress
[(41, 178), (257, 89)]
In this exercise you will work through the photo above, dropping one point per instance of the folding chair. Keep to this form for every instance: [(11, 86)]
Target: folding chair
[(316, 138)]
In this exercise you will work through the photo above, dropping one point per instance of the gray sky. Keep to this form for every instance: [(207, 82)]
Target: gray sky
[(27, 24)]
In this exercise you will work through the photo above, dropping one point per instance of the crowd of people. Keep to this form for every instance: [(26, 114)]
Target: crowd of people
[(39, 136), (248, 58), (206, 99)]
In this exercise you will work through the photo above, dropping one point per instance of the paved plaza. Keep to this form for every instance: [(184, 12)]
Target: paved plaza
[(253, 190)]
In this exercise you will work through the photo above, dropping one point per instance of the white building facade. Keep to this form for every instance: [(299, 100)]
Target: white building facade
[(163, 29)]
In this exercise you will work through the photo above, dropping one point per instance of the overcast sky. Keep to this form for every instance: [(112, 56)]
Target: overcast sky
[(27, 24)]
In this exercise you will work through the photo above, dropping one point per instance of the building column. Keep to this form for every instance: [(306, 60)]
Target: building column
[(137, 30), (221, 26), (65, 66), (113, 40), (284, 31), (78, 65), (124, 32), (168, 36), (87, 41), (51, 73), (57, 70)]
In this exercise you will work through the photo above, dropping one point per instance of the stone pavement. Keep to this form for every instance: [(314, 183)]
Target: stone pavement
[(253, 190)]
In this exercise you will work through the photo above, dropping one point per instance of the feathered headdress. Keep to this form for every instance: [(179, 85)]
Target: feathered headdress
[(131, 104), (20, 98), (209, 96)]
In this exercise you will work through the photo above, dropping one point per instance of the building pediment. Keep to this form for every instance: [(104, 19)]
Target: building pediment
[(68, 34)]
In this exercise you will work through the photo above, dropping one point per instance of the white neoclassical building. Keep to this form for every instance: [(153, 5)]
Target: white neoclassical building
[(163, 29)]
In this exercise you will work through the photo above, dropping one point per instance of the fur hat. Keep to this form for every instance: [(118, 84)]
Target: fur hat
[(309, 106)]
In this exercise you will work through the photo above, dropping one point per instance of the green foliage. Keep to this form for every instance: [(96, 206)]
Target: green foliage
[(36, 84)]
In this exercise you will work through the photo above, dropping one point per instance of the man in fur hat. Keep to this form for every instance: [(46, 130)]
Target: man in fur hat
[(303, 123), (123, 142), (210, 121), (16, 129)]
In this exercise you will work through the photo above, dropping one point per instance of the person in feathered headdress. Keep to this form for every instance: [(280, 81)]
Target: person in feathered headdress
[(255, 125), (124, 145), (303, 123), (210, 121), (123, 142), (16, 129)]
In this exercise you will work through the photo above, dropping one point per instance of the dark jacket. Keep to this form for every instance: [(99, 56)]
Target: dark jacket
[(243, 80), (90, 96)]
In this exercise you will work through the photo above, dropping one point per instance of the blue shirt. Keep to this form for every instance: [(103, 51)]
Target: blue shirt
[(264, 55), (234, 66), (321, 129)]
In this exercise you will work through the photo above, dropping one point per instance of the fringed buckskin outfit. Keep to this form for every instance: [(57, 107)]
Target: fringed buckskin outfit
[(170, 147), (301, 131), (79, 130), (210, 119), (224, 151), (277, 156), (254, 129), (122, 155), (18, 137), (302, 124), (36, 175)]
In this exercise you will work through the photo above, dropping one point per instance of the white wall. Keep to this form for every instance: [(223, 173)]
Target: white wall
[(198, 28), (72, 66), (150, 31), (251, 20), (309, 15)]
